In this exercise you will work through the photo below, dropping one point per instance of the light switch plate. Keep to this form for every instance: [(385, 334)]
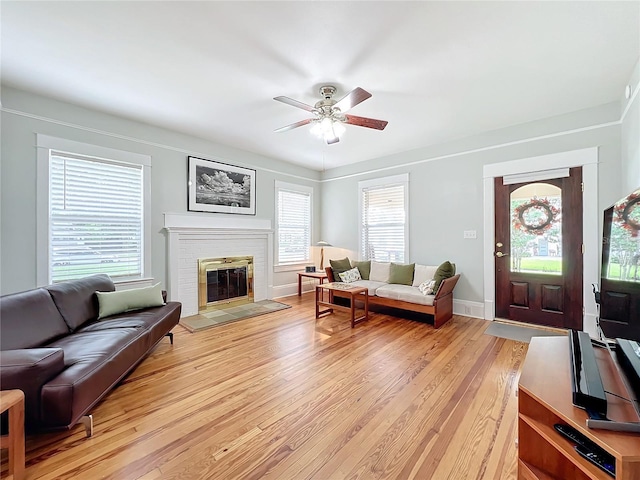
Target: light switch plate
[(470, 234)]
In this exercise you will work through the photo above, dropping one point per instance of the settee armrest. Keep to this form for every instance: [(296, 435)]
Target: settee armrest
[(28, 369), (447, 286), (329, 272)]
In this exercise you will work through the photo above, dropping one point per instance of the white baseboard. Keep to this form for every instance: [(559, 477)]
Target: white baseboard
[(289, 290), (468, 309)]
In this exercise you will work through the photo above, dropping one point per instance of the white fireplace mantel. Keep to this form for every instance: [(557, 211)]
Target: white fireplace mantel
[(193, 236), (174, 221)]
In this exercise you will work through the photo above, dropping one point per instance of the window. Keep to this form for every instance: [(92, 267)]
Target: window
[(93, 210), (293, 223), (383, 219)]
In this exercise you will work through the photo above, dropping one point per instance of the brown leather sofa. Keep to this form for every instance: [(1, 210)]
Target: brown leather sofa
[(65, 361)]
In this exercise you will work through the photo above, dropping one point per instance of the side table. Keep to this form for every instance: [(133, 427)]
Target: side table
[(352, 293), (13, 401), (320, 276)]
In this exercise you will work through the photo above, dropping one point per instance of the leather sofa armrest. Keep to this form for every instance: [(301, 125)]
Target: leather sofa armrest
[(29, 366), (28, 370)]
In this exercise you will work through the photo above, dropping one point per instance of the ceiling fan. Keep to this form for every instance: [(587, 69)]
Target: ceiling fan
[(329, 115)]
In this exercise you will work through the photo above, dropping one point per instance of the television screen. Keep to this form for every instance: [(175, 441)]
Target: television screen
[(620, 275)]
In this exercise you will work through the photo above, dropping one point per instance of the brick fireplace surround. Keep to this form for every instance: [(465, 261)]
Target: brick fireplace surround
[(194, 236)]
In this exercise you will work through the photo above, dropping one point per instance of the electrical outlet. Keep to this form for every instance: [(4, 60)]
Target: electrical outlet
[(470, 234)]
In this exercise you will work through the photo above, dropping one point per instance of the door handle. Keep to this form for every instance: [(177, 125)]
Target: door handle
[(500, 254)]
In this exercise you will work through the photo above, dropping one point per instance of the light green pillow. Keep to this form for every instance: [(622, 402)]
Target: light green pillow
[(401, 274), (364, 268), (340, 266), (445, 270), (112, 303)]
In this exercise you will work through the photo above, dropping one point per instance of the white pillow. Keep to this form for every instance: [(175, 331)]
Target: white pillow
[(350, 275), (380, 271), (426, 288), (423, 273)]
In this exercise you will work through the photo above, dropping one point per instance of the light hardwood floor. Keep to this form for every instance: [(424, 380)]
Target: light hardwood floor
[(282, 397)]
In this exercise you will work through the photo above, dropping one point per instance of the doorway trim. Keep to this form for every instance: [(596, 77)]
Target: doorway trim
[(586, 158)]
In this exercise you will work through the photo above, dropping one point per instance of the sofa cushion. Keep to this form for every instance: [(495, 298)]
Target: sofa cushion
[(380, 271), (363, 267), (423, 273), (406, 293), (76, 299), (29, 319), (339, 266), (445, 270), (350, 276), (113, 303), (370, 285), (401, 273)]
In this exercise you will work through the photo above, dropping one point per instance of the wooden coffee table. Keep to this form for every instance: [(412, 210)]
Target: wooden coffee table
[(13, 401), (351, 291)]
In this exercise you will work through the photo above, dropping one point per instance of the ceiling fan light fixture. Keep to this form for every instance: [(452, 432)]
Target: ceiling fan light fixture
[(327, 128), (328, 121), (338, 128)]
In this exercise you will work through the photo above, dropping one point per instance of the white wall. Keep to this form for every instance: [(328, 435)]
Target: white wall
[(24, 115), (446, 188), (445, 180), (631, 135)]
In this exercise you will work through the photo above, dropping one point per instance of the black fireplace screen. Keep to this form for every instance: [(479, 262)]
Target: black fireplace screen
[(226, 283)]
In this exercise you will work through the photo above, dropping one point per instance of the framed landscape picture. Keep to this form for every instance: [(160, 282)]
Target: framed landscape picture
[(220, 188)]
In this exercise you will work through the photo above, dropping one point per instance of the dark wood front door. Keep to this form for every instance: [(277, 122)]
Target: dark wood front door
[(538, 251)]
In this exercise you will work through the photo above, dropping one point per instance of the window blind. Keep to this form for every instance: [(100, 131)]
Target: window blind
[(294, 226), (95, 216), (383, 223)]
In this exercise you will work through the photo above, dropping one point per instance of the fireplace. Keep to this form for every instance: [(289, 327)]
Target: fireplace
[(224, 281)]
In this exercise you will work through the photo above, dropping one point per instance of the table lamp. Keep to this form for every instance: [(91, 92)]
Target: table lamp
[(322, 244)]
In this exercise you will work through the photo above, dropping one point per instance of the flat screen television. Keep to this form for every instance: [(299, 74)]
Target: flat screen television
[(620, 274)]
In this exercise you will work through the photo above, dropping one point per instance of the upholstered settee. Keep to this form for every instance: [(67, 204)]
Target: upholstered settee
[(54, 348), (418, 288)]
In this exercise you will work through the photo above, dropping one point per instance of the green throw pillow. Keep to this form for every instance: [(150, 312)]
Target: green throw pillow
[(401, 274), (446, 270), (364, 268), (340, 266), (112, 303)]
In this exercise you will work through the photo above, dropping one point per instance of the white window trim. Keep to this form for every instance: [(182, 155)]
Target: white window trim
[(292, 187), (45, 144), (375, 182)]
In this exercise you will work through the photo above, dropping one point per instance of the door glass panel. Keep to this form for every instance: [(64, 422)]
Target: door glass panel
[(623, 240), (536, 229)]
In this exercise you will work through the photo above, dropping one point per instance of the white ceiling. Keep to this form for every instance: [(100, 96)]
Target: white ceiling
[(437, 70)]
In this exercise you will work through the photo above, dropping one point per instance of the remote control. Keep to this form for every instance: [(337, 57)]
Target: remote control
[(575, 436), (604, 461)]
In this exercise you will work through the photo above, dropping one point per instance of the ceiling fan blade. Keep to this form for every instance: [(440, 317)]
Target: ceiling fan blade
[(366, 122), (294, 125), (295, 103), (331, 141), (353, 98)]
